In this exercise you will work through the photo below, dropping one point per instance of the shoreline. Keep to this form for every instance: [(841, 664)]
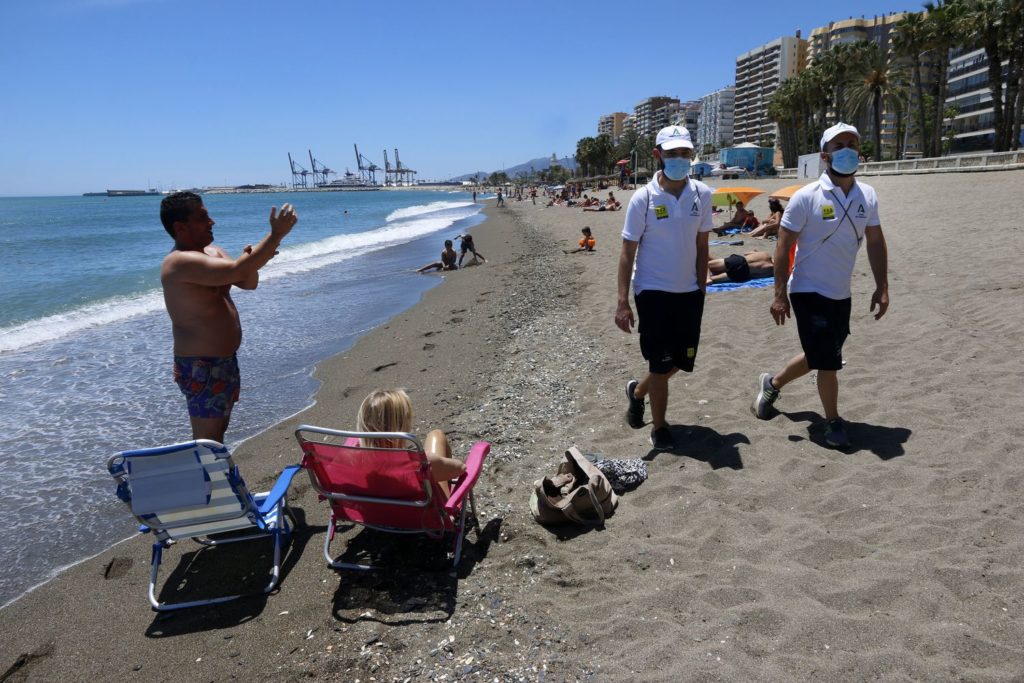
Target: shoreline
[(753, 552)]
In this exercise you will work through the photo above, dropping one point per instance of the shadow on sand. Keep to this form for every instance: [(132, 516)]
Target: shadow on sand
[(885, 442), (706, 445), (208, 572), (413, 580)]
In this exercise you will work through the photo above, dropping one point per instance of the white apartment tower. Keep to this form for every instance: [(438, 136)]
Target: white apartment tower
[(716, 119), (759, 73)]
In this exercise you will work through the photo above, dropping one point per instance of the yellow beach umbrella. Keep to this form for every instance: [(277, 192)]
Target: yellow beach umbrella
[(786, 192), (727, 196)]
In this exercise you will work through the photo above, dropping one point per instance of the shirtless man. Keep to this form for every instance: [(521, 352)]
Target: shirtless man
[(736, 268), (197, 277), (447, 261)]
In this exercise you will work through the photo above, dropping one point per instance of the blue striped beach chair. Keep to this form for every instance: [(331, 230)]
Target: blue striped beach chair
[(193, 491)]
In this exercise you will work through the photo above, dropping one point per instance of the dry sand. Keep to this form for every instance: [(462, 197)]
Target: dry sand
[(754, 553)]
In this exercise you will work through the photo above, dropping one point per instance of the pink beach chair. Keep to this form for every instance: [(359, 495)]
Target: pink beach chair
[(388, 489)]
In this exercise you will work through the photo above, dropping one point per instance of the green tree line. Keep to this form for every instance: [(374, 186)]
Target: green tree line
[(598, 156)]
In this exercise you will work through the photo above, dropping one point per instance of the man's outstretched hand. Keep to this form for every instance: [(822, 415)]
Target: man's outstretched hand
[(282, 223)]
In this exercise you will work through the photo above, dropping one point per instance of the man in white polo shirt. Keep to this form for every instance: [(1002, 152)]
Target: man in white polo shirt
[(665, 237), (827, 220)]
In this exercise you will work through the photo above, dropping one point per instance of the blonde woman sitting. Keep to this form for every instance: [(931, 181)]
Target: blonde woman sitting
[(390, 410)]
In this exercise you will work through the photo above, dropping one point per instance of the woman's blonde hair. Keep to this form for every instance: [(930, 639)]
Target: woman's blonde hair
[(385, 410)]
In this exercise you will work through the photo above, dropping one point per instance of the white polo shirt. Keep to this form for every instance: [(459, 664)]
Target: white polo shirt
[(666, 228), (831, 226)]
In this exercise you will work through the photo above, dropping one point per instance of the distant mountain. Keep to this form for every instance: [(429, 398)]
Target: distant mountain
[(538, 164)]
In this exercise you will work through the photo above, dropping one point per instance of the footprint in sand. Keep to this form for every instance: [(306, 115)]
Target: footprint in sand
[(117, 568)]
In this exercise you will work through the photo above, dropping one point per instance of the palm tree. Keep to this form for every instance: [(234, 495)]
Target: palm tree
[(782, 110), (946, 29), (982, 21), (1014, 22), (880, 85), (910, 41)]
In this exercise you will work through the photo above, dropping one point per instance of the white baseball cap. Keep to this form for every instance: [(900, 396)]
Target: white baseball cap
[(672, 137), (835, 130)]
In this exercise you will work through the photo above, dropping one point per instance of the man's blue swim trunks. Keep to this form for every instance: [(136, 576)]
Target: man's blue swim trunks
[(210, 384)]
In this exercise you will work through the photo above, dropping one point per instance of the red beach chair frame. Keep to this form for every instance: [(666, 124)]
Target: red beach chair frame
[(388, 489)]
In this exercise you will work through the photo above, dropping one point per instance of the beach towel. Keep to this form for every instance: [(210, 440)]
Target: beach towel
[(726, 243), (756, 283)]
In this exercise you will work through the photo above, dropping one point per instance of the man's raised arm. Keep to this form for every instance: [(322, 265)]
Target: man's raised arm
[(199, 268)]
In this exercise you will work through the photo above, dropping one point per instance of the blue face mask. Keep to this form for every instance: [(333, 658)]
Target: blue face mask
[(676, 168), (845, 161)]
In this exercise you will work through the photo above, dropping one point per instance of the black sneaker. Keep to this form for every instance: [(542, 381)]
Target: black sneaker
[(635, 412), (766, 396), (662, 439), (835, 434)]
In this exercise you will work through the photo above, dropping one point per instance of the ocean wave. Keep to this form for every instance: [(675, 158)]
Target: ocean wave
[(298, 259), (422, 209), (59, 325)]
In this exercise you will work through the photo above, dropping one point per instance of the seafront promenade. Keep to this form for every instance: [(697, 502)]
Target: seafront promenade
[(754, 553)]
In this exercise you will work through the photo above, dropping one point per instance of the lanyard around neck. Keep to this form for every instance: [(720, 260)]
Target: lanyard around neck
[(846, 217)]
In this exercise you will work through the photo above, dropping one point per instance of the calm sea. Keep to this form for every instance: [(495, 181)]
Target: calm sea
[(85, 344)]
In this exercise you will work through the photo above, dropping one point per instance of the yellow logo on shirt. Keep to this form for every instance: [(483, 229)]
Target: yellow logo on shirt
[(661, 211), (828, 211)]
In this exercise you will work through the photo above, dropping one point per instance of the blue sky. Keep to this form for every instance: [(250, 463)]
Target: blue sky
[(120, 93)]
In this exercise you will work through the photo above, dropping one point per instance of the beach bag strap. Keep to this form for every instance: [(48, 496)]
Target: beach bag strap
[(593, 500), (589, 500)]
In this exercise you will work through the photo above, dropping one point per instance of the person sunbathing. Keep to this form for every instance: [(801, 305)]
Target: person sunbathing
[(740, 219), (587, 243), (770, 226), (390, 410), (736, 268)]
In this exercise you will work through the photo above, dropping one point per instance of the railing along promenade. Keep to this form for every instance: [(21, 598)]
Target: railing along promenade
[(988, 161)]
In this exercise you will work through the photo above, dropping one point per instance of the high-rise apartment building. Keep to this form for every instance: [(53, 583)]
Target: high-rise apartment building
[(716, 119), (877, 29), (611, 125), (688, 114), (653, 114), (759, 73), (967, 92)]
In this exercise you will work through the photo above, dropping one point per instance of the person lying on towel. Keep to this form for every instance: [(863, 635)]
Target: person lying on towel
[(736, 268)]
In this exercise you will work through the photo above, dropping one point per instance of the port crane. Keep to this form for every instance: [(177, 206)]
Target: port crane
[(319, 173), (367, 169), (397, 175), (406, 174), (299, 174)]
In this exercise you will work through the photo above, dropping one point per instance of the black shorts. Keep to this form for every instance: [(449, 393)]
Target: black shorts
[(736, 268), (823, 325), (669, 326)]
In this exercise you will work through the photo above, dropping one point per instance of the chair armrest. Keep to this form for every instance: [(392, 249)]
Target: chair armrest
[(280, 488), (465, 483)]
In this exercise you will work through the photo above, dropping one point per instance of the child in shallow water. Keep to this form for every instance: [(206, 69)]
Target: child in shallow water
[(390, 410)]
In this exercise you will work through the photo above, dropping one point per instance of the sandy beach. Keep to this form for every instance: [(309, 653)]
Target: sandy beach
[(751, 553)]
